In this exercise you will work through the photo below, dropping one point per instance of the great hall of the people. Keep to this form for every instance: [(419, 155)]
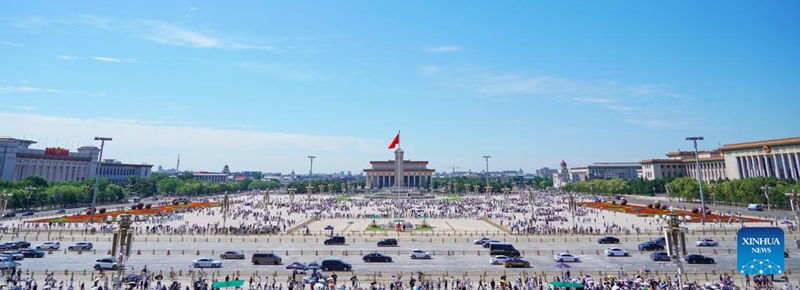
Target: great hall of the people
[(779, 158)]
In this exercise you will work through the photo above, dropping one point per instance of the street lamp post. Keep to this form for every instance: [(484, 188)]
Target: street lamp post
[(4, 201), (792, 202), (713, 188), (676, 239), (122, 245), (292, 191), (266, 205), (97, 174), (309, 188), (489, 190), (506, 190), (487, 169), (766, 189), (225, 208), (30, 190), (699, 176)]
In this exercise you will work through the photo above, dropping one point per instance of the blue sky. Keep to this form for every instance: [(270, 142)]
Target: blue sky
[(260, 86)]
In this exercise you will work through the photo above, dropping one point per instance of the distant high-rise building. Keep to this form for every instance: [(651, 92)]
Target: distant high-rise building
[(546, 171)]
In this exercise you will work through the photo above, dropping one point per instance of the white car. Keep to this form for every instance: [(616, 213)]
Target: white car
[(481, 241), (49, 246), (206, 263), (419, 254), (616, 252), (707, 243), (498, 260), (105, 264), (566, 257)]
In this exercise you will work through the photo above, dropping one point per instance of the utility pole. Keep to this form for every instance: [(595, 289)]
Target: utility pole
[(4, 200), (97, 174), (487, 169), (266, 205), (122, 245), (792, 202), (676, 239), (225, 207), (30, 190), (699, 176), (310, 175), (766, 189)]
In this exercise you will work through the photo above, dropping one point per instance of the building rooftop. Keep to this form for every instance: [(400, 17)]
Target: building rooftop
[(760, 144)]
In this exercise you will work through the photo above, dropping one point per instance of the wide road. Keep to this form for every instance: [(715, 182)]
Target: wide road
[(456, 254)]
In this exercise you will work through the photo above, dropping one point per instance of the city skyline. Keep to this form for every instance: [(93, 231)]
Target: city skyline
[(532, 84)]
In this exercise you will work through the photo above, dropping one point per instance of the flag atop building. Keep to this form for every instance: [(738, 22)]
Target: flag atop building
[(396, 141)]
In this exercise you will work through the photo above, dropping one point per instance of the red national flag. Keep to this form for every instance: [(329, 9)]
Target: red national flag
[(395, 141)]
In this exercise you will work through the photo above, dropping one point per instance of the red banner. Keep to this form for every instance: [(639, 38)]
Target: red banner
[(58, 151)]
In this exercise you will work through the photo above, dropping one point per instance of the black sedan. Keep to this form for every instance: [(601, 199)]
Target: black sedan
[(31, 253), (387, 243), (660, 256), (650, 246), (27, 213), (698, 259), (376, 257), (23, 244), (608, 240)]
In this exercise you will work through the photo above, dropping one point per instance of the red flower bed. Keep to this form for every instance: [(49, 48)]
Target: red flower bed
[(99, 217), (643, 210)]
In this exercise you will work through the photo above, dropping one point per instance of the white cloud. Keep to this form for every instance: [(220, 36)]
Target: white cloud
[(117, 60), (203, 148), (194, 8), (11, 43), (106, 59), (68, 57), (165, 33), (445, 48), (620, 108), (25, 89), (18, 107), (593, 100)]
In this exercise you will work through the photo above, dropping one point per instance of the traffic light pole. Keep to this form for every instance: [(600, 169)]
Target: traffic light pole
[(123, 242)]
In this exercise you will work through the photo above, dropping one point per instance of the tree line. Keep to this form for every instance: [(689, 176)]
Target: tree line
[(760, 190), (34, 192)]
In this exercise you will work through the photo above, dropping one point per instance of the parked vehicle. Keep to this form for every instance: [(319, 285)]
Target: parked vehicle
[(387, 243), (698, 259), (9, 215), (497, 260), (31, 253), (335, 265), (49, 246), (650, 246), (231, 255), (608, 240), (335, 240), (109, 263), (489, 242), (566, 257), (85, 246), (660, 256), (376, 257), (266, 259), (707, 243), (27, 213), (7, 263), (516, 263), (755, 207), (660, 240), (14, 255), (206, 263), (22, 244), (616, 252), (419, 254), (503, 249), (295, 266), (481, 241)]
